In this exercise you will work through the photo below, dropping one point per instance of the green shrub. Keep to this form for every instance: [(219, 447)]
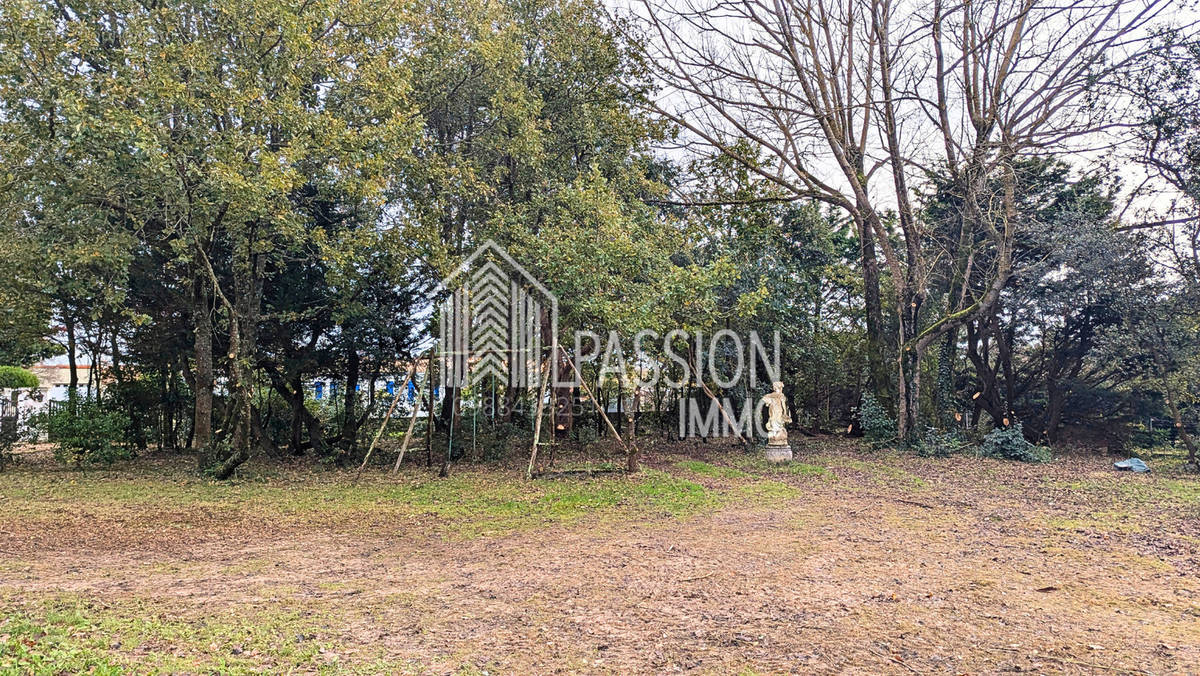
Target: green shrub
[(1009, 443), (878, 427), (87, 432), (13, 377), (938, 444), (8, 437), (1141, 436)]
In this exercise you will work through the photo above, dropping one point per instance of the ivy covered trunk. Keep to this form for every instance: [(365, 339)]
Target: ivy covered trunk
[(248, 269), (908, 360), (203, 381)]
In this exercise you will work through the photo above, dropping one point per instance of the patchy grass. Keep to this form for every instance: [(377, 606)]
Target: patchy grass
[(470, 503), (471, 506), (71, 635), (1127, 491), (881, 472), (759, 485), (152, 569), (769, 491), (805, 469), (705, 469), (759, 465), (1096, 522), (51, 642)]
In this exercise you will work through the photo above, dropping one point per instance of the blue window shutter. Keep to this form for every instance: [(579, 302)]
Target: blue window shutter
[(391, 387), (319, 390)]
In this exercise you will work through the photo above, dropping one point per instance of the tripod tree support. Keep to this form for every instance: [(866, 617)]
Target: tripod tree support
[(724, 414), (631, 456), (391, 409), (412, 421), (537, 424)]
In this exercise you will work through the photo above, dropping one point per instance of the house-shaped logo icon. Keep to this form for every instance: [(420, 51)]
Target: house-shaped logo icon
[(497, 320)]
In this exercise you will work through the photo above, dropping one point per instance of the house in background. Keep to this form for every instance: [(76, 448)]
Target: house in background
[(54, 379), (329, 390)]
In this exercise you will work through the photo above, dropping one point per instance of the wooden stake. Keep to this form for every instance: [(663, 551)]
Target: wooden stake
[(628, 452), (413, 420), (724, 413), (537, 424), (429, 421), (386, 418)]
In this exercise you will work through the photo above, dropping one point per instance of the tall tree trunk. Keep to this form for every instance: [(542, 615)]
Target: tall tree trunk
[(943, 396), (877, 371), (910, 353), (990, 398), (1056, 397), (248, 268), (295, 397), (73, 375), (170, 436), (201, 435), (620, 405), (1181, 428), (350, 422), (1004, 349), (115, 354)]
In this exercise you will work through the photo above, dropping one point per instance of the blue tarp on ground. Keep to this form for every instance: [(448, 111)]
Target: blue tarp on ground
[(1132, 464)]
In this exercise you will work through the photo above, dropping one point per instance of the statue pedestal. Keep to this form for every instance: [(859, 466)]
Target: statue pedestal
[(779, 453)]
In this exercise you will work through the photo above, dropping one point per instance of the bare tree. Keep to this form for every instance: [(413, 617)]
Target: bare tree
[(858, 101)]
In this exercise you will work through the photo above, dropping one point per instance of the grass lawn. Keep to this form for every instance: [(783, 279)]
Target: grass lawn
[(708, 561)]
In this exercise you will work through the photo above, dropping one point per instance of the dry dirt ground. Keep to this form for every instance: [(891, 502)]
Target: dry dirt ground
[(850, 561)]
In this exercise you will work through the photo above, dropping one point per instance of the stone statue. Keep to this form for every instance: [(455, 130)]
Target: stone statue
[(778, 417)]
